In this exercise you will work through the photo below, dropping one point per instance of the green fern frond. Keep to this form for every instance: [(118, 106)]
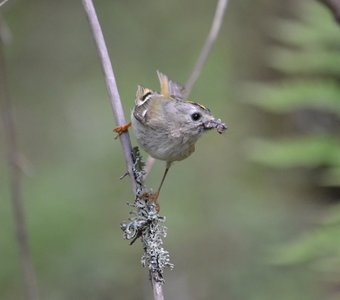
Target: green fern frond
[(331, 177), (305, 62), (309, 152), (322, 244), (314, 29), (305, 35), (290, 95)]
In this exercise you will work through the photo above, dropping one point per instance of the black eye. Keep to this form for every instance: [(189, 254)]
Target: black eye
[(196, 116)]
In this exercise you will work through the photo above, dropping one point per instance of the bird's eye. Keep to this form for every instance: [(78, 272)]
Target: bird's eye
[(196, 116)]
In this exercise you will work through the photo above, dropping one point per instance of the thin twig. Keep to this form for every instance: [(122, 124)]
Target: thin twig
[(29, 275), (116, 108), (145, 212), (209, 43), (157, 290), (196, 71), (3, 2), (111, 85)]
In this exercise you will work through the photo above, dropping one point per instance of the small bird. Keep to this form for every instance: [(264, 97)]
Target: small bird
[(167, 125)]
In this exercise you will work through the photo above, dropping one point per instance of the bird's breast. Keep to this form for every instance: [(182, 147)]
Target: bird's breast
[(163, 144)]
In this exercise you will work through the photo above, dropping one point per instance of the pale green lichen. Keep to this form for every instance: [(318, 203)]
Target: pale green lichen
[(146, 223)]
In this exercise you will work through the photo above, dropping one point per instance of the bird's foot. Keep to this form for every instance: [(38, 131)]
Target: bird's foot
[(121, 129), (152, 197)]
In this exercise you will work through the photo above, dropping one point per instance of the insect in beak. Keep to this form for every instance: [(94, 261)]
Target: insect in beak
[(212, 124)]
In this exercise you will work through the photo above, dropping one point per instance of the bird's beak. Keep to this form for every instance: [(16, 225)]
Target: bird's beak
[(211, 124)]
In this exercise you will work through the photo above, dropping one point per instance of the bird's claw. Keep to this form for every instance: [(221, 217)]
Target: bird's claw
[(121, 129), (152, 197)]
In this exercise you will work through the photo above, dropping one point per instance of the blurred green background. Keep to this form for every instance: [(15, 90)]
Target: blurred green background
[(251, 215)]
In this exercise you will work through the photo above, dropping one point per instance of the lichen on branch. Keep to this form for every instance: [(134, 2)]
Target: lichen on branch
[(146, 223)]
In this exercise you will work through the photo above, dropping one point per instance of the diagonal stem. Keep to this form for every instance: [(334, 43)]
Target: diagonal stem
[(6, 109), (196, 71), (208, 45), (3, 2), (116, 106), (111, 85), (115, 98)]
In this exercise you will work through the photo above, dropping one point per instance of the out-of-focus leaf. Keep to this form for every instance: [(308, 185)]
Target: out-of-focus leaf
[(315, 28), (320, 247), (307, 57), (307, 152), (323, 242), (331, 177), (333, 217), (288, 96), (310, 61)]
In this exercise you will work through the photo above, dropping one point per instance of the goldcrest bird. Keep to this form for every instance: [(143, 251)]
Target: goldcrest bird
[(167, 125)]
